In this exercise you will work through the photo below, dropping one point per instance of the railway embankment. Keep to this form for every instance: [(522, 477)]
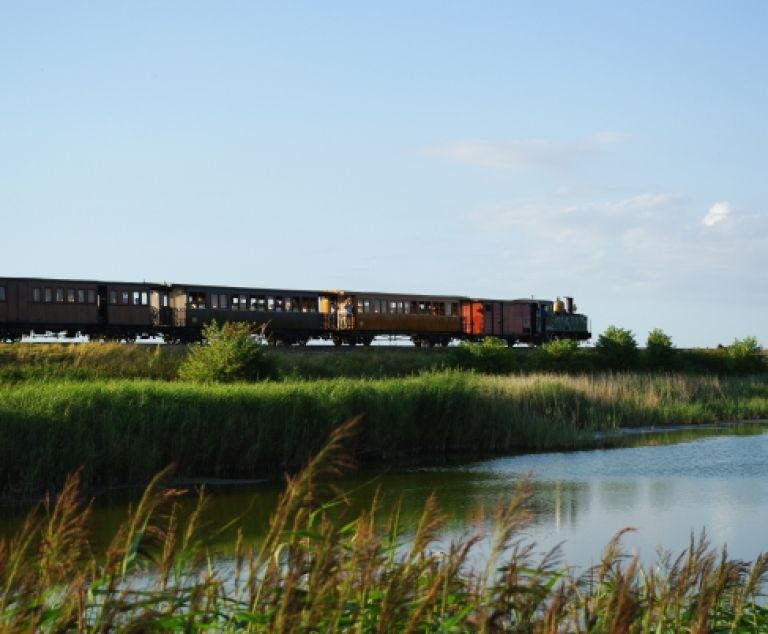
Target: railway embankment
[(121, 431), (101, 361)]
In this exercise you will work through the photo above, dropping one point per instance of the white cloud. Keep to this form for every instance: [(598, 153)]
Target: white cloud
[(554, 220), (717, 213), (648, 243), (525, 153)]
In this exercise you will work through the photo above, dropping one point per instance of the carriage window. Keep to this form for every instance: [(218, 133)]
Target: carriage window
[(270, 303), (59, 295), (70, 295), (113, 297), (163, 300), (2, 293), (125, 297), (294, 304), (223, 301), (309, 305), (48, 295), (91, 296), (144, 298), (252, 302), (407, 308), (364, 305), (235, 302), (35, 294), (279, 304), (81, 296), (214, 300), (196, 300), (454, 309), (136, 298)]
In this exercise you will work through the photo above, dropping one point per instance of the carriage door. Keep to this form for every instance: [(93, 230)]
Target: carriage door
[(161, 311), (330, 304), (492, 320), (103, 314)]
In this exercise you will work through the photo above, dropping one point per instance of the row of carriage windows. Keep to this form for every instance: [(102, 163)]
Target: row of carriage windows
[(403, 307), (224, 301), (62, 295), (129, 298)]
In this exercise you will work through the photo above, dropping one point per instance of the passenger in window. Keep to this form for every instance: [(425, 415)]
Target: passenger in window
[(349, 310), (334, 314)]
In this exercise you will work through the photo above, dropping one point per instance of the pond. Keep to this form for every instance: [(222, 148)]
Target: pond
[(666, 484)]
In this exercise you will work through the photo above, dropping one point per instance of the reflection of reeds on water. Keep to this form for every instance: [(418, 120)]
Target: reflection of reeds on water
[(318, 569)]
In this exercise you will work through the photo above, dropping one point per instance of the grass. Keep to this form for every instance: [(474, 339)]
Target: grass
[(124, 431), (36, 362), (319, 569), (24, 362)]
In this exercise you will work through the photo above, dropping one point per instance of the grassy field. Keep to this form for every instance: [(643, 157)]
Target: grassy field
[(123, 431), (319, 569)]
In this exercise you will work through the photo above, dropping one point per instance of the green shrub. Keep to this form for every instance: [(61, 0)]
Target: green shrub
[(745, 355), (490, 356), (559, 355), (617, 348), (660, 353), (229, 354)]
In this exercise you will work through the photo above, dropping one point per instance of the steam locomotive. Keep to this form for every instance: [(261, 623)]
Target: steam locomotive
[(178, 313)]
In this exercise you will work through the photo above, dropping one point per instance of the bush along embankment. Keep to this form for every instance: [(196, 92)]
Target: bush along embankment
[(319, 568), (124, 431)]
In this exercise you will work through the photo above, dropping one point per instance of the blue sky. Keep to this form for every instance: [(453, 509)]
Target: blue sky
[(615, 152)]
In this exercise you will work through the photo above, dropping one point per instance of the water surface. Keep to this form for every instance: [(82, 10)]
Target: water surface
[(667, 487)]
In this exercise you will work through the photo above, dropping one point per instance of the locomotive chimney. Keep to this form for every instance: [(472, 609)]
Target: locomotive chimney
[(569, 305)]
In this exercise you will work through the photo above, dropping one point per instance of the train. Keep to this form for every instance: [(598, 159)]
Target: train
[(178, 313)]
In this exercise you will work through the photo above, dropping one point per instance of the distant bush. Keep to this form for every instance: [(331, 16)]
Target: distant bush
[(229, 354), (660, 353), (745, 355), (490, 356), (560, 355), (617, 349)]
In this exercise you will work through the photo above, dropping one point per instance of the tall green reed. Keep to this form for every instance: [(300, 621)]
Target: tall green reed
[(124, 431)]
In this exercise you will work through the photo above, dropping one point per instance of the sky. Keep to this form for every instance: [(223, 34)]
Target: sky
[(613, 152)]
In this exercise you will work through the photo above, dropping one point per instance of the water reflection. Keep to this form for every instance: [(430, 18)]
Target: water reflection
[(667, 489)]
